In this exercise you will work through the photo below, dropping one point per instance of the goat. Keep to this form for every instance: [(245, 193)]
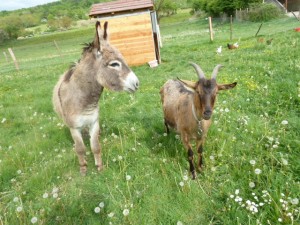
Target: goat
[(188, 107), (77, 93)]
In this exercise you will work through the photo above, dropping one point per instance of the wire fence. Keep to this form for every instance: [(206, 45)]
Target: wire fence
[(190, 32)]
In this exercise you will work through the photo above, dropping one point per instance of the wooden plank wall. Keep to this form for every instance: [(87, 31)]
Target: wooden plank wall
[(132, 35)]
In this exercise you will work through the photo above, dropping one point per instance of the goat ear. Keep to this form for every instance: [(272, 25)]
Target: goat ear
[(190, 84), (97, 43), (226, 86)]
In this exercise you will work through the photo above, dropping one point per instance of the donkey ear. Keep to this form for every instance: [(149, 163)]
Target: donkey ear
[(189, 84), (226, 86), (105, 35), (97, 43)]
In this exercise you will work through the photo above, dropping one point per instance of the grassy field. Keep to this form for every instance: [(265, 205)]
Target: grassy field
[(252, 170)]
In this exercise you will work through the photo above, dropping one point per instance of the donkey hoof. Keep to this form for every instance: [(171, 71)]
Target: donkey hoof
[(99, 168), (83, 170)]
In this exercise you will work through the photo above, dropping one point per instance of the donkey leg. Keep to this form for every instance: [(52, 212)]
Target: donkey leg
[(95, 144), (80, 149), (190, 152)]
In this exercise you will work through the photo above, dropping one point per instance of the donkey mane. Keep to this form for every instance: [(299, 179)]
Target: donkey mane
[(88, 47)]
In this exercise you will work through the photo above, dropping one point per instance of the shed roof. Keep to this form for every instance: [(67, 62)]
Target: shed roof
[(120, 6)]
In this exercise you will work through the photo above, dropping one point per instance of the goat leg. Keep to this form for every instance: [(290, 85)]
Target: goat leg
[(167, 127), (200, 159), (191, 162)]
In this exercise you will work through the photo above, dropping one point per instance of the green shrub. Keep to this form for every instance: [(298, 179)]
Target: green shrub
[(263, 12)]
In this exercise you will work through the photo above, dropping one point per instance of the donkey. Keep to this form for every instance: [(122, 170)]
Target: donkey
[(77, 93), (188, 107)]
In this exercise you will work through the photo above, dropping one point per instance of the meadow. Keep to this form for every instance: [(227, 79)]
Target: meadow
[(251, 156)]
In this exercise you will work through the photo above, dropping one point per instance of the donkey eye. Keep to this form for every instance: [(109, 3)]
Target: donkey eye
[(115, 64)]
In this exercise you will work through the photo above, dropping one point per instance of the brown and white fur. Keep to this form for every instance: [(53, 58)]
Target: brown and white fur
[(188, 107), (76, 95)]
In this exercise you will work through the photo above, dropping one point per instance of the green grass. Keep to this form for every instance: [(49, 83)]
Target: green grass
[(39, 171)]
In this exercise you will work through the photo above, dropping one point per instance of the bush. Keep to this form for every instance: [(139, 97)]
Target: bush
[(263, 12), (3, 36)]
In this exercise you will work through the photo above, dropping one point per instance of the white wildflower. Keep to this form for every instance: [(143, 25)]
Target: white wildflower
[(237, 191), (295, 201), (128, 177), (126, 212), (257, 171), (97, 210), (111, 214), (34, 220), (181, 184), (251, 184), (284, 162), (19, 209), (179, 223), (185, 177), (284, 122), (252, 162), (101, 204), (45, 195)]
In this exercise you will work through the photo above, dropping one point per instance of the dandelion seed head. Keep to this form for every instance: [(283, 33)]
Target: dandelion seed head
[(128, 177), (111, 214), (33, 220), (181, 184), (97, 210), (126, 212), (284, 122), (45, 195), (284, 162), (295, 201), (252, 162), (251, 184), (257, 171), (179, 223), (185, 177), (19, 209)]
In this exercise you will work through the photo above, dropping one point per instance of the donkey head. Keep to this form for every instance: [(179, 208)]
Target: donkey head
[(207, 90), (112, 70)]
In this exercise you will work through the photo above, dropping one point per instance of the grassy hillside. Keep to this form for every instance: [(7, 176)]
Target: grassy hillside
[(251, 173)]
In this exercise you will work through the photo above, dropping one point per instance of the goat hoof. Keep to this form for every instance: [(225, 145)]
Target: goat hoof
[(193, 175)]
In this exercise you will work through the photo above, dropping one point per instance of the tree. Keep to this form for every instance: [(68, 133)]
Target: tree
[(165, 8)]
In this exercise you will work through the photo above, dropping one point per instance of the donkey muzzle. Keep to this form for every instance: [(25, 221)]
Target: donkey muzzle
[(131, 83)]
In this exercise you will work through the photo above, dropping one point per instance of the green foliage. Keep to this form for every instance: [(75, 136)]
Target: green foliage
[(217, 7), (3, 36), (263, 12), (251, 155)]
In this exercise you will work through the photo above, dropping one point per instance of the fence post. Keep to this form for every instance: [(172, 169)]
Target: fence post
[(58, 49), (230, 27), (210, 29), (5, 56), (14, 58)]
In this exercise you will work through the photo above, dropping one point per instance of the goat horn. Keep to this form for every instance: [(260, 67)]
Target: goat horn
[(215, 71), (198, 70)]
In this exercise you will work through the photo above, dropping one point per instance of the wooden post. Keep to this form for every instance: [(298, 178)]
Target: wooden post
[(286, 6), (258, 29), (4, 53), (14, 58), (210, 29), (230, 27), (58, 49)]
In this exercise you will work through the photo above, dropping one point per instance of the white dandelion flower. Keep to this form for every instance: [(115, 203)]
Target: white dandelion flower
[(284, 122), (101, 204), (126, 212), (97, 210)]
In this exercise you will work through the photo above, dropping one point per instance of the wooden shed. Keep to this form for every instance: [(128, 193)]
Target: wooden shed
[(132, 27)]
